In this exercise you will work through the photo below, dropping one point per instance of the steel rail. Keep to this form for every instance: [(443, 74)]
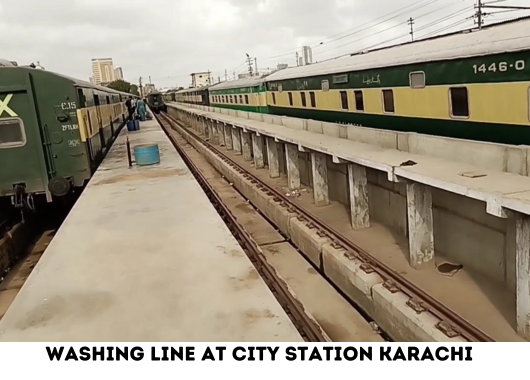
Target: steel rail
[(308, 327), (451, 323)]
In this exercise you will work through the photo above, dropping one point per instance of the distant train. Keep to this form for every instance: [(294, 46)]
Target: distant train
[(470, 85), (156, 102), (54, 132)]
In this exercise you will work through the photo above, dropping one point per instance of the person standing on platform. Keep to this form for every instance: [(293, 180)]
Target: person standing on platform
[(140, 106), (130, 107)]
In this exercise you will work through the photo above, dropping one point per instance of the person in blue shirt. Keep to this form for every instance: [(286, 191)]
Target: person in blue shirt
[(141, 109)]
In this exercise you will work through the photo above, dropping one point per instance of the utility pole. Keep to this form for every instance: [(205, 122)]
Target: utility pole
[(218, 79), (226, 75), (140, 87), (256, 66), (149, 79), (249, 61), (480, 6), (411, 23), (234, 74), (479, 14), (297, 59)]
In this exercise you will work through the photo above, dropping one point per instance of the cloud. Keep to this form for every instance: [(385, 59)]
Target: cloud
[(169, 39)]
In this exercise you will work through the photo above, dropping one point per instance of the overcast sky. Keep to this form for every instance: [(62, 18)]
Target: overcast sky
[(169, 39)]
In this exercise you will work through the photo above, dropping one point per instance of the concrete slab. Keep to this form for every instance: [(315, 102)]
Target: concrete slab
[(144, 256), (307, 240), (336, 316)]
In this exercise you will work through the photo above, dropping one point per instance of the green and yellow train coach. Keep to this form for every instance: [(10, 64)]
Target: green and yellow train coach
[(471, 85), (246, 94), (54, 132)]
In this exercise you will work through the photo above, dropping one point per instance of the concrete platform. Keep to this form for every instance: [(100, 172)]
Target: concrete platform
[(144, 256)]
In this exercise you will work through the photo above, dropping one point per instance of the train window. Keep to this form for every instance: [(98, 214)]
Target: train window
[(231, 101), (325, 85), (12, 133), (280, 88), (359, 100), (81, 96), (459, 101), (388, 101), (304, 102), (313, 99), (417, 79), (290, 98), (246, 99), (344, 100), (241, 99), (273, 98), (235, 99)]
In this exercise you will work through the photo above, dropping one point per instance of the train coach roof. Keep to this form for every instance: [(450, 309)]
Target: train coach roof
[(82, 83), (193, 89), (502, 38), (239, 83)]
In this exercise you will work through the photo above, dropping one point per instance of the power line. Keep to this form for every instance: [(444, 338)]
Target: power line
[(435, 32), (401, 11), (436, 22)]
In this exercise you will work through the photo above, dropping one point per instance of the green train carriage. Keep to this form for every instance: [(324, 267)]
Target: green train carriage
[(246, 94), (54, 132), (194, 95), (155, 101), (471, 85)]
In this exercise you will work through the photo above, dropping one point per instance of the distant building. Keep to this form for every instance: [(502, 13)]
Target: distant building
[(149, 88), (308, 55), (241, 76), (118, 73), (200, 79), (282, 66), (102, 71)]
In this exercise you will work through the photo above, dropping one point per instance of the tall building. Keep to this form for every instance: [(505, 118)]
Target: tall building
[(118, 73), (308, 55), (200, 79), (103, 70)]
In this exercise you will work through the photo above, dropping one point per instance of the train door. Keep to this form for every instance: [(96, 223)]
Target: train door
[(111, 114), (22, 152), (100, 123)]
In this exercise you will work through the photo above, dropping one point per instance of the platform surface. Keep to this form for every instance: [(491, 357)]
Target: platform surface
[(144, 256)]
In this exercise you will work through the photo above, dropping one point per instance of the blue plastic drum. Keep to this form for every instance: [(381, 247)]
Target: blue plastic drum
[(146, 154), (137, 125)]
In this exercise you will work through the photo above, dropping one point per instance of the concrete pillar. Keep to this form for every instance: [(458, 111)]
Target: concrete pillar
[(221, 133), (420, 223), (522, 265), (236, 139), (247, 149), (228, 137), (273, 155), (259, 146), (293, 166), (358, 186), (319, 168), (215, 132)]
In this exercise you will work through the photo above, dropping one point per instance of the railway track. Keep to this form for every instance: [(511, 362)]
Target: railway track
[(452, 324), (308, 327)]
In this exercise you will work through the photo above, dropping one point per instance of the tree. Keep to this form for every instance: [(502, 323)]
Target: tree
[(134, 90), (120, 85)]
